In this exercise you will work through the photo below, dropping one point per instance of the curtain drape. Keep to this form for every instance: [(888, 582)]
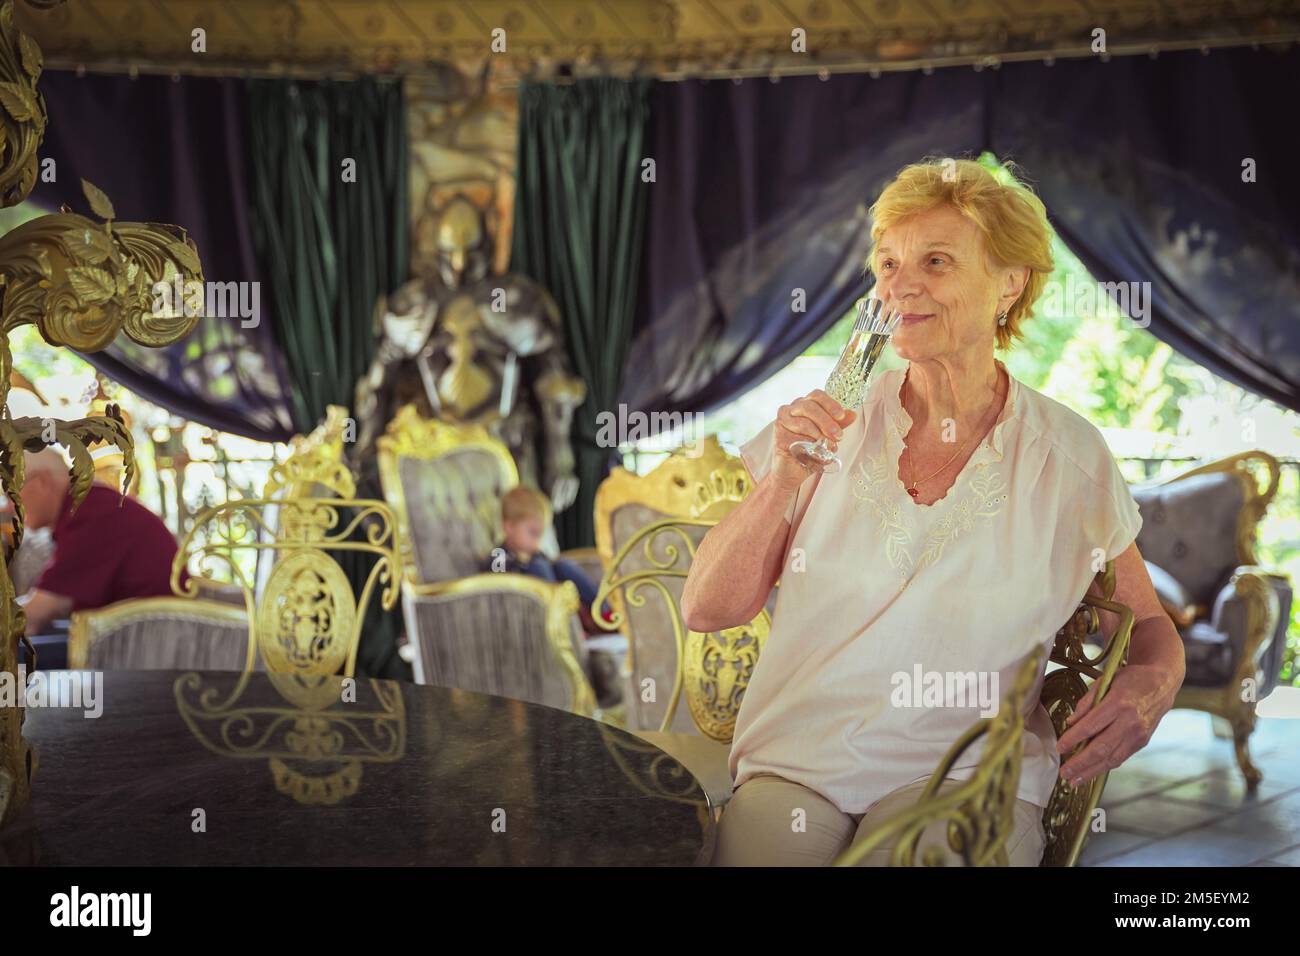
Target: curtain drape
[(578, 229), (330, 221), (174, 151), (1174, 172), (762, 192), (756, 232), (329, 177)]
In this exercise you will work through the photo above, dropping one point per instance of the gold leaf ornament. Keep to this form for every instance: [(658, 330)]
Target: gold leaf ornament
[(92, 285), (185, 256), (98, 199), (98, 246), (32, 59), (17, 101)]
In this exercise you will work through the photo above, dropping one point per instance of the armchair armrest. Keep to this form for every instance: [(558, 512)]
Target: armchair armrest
[(1246, 611)]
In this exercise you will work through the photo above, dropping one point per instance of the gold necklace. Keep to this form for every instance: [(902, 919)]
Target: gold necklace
[(911, 489)]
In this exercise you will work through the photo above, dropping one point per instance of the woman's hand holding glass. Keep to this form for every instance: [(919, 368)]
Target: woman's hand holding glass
[(813, 417)]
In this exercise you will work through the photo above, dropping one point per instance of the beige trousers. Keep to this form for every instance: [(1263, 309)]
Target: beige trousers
[(760, 827)]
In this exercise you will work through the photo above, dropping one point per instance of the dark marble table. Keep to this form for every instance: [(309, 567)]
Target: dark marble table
[(219, 768)]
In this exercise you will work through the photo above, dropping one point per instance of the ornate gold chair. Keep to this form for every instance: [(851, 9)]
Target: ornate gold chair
[(445, 483), (1068, 816), (507, 634), (307, 618), (647, 531), (273, 562), (1198, 538), (314, 467), (978, 814)]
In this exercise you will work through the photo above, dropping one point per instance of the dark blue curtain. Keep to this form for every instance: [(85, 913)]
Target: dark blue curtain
[(757, 222), (1139, 162), (762, 189), (175, 152)]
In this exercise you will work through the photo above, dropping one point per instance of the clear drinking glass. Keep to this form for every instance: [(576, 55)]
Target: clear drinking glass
[(848, 382)]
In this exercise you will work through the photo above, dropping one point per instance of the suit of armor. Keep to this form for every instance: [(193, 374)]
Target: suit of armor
[(472, 347)]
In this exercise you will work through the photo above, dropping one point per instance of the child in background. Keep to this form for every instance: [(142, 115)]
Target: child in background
[(525, 516)]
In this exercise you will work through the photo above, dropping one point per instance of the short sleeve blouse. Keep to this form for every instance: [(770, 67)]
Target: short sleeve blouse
[(887, 596)]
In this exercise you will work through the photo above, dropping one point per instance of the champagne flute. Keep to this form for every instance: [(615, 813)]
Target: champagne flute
[(848, 381)]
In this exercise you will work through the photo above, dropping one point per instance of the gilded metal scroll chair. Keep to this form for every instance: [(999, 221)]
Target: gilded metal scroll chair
[(314, 467), (1069, 814), (308, 506), (1198, 538), (647, 531), (498, 633), (307, 618), (977, 816)]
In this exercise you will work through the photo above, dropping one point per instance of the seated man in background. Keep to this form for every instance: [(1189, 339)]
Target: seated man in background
[(109, 549), (525, 513)]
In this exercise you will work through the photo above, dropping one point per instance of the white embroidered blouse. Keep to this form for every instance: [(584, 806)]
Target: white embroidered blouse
[(882, 601)]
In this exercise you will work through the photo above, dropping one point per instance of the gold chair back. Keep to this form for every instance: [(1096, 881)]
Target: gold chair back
[(1259, 474), (444, 482), (307, 619), (647, 531), (314, 467), (305, 499), (1068, 816)]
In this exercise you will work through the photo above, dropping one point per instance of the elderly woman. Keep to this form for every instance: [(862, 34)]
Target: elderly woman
[(969, 519)]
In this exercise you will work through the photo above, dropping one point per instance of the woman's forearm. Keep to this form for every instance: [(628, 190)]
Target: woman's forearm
[(1155, 642), (739, 560)]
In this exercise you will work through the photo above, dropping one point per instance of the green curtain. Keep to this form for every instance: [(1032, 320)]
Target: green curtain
[(578, 229), (329, 248)]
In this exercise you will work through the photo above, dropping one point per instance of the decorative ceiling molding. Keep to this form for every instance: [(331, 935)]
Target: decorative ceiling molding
[(666, 37)]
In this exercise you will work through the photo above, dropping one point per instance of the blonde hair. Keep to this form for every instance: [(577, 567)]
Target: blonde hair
[(523, 501), (1012, 219)]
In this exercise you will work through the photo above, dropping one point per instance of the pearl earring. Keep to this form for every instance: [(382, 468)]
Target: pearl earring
[(1002, 319)]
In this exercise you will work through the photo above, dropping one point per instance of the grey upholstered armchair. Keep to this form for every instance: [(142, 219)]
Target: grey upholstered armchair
[(495, 633), (160, 633), (1198, 539), (505, 634)]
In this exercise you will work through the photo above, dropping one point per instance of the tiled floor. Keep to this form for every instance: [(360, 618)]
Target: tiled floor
[(1181, 800)]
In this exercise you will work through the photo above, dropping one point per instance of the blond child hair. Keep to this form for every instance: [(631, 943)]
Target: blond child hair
[(523, 501)]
